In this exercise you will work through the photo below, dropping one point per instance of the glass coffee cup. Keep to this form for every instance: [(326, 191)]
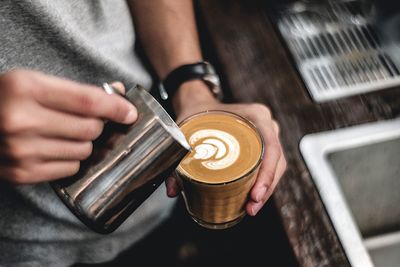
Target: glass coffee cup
[(218, 174)]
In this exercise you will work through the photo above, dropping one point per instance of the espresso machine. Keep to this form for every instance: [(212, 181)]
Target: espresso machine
[(341, 47)]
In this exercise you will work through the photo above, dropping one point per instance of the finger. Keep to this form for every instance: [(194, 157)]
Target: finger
[(86, 100), (119, 86), (276, 127), (281, 166), (261, 116), (64, 150), (172, 186), (41, 172), (253, 207), (52, 170), (280, 169), (60, 125), (268, 167), (34, 147)]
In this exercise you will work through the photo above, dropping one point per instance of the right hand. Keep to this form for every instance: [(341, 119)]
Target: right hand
[(47, 124)]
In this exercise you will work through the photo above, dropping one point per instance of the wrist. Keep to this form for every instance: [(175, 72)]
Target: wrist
[(192, 93)]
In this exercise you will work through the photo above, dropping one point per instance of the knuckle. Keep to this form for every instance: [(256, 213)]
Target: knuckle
[(13, 121), (18, 176), (17, 81), (261, 110), (8, 121), (276, 127), (16, 153)]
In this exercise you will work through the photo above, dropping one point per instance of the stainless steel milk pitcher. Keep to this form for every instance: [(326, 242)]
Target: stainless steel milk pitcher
[(127, 164)]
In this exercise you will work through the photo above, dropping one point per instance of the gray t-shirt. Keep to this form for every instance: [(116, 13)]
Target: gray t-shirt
[(90, 41)]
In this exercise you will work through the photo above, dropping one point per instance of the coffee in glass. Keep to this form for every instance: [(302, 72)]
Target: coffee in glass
[(217, 175)]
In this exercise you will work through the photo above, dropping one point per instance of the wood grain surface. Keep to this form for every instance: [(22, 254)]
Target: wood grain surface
[(256, 67)]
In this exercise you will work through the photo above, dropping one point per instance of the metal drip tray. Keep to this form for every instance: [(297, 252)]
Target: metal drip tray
[(336, 49)]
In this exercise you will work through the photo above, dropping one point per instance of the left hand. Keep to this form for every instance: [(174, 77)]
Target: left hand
[(194, 97)]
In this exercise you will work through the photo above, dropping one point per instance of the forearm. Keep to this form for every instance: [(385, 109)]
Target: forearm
[(167, 30)]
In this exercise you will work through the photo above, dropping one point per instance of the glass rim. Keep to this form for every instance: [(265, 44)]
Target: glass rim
[(249, 123)]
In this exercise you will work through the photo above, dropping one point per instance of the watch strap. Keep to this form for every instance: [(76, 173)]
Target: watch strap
[(200, 70)]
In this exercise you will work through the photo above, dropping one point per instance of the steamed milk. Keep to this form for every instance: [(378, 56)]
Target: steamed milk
[(224, 148)]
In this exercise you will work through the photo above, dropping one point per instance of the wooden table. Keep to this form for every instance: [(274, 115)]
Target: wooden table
[(256, 67)]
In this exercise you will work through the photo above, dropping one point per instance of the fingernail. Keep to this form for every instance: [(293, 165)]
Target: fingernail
[(131, 116), (261, 194), (119, 86), (254, 210), (169, 193)]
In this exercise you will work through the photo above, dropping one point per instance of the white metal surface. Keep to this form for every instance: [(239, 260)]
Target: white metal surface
[(315, 148)]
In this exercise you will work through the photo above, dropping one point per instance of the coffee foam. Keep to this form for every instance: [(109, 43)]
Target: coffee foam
[(214, 148), (224, 147)]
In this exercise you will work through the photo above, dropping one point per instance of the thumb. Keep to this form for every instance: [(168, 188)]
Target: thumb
[(172, 186)]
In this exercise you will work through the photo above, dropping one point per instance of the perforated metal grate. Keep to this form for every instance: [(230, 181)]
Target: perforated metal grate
[(336, 50)]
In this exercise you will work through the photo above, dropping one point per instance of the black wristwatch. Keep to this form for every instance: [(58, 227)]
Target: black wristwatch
[(201, 70)]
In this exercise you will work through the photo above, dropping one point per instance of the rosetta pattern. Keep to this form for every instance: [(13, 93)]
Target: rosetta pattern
[(215, 149)]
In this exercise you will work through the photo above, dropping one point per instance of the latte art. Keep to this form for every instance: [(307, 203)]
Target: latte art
[(224, 148), (214, 148)]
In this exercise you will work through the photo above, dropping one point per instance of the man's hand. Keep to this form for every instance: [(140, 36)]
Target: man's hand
[(194, 97), (47, 124)]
